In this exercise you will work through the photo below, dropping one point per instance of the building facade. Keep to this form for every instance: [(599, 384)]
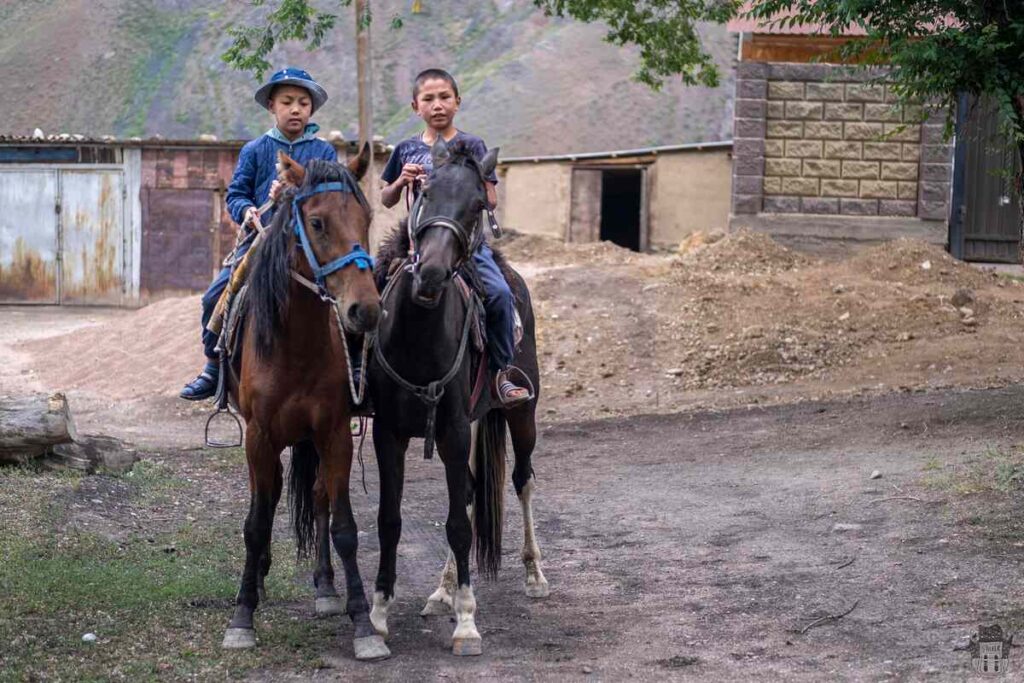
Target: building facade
[(121, 223), (642, 199)]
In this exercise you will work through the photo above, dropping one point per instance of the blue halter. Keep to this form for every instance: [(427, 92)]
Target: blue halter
[(357, 256)]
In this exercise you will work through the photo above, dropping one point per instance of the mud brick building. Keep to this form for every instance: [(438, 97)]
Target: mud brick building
[(821, 151)]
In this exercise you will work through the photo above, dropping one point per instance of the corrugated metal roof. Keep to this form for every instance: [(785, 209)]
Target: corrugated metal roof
[(75, 139), (615, 154)]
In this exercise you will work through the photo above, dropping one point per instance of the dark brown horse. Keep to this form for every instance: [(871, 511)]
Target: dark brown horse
[(421, 379), (311, 278)]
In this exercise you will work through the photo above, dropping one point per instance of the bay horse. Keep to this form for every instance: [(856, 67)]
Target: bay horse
[(421, 380), (291, 382)]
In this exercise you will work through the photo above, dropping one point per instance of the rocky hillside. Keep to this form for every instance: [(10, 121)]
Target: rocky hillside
[(532, 84)]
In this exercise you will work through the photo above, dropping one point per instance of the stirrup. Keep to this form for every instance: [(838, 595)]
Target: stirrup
[(221, 400), (531, 393), (226, 410)]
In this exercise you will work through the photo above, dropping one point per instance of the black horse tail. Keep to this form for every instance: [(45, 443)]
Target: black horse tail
[(489, 492), (302, 476)]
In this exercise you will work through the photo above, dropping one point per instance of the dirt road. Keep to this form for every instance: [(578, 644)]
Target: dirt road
[(687, 547), (692, 547)]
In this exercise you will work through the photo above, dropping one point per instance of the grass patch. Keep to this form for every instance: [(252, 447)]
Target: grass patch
[(157, 601), (996, 470)]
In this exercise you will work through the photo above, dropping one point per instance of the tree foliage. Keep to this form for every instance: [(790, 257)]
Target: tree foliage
[(665, 31), (936, 48), (290, 20)]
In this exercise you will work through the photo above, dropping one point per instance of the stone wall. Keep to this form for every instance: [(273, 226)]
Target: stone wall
[(820, 139)]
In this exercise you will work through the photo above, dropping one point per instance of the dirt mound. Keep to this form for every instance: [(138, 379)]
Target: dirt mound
[(917, 263), (741, 252), (150, 352), (743, 314), (543, 251)]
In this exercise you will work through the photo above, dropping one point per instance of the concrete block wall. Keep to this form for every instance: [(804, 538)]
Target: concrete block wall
[(821, 139)]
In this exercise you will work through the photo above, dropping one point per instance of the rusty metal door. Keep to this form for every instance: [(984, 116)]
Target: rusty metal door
[(180, 237), (92, 237), (29, 246)]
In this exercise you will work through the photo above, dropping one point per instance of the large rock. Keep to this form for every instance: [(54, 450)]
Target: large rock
[(31, 426), (93, 454)]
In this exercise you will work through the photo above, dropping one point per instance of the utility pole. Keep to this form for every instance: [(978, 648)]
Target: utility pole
[(364, 73)]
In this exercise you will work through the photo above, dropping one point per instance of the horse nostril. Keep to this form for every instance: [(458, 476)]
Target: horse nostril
[(434, 274), (362, 316)]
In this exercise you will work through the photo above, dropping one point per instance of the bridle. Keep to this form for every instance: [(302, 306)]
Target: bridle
[(358, 257), (467, 237)]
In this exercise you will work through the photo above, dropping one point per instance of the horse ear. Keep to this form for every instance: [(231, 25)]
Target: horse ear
[(439, 153), (490, 161), (289, 170), (359, 164)]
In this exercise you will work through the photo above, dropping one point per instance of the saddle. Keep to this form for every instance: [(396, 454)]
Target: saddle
[(472, 295)]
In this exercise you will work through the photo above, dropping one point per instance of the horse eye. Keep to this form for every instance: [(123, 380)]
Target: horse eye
[(316, 224)]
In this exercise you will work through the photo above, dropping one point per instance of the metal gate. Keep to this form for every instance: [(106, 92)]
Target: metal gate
[(62, 236), (985, 204), (29, 244)]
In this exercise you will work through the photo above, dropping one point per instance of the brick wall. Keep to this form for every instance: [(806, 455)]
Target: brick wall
[(821, 139)]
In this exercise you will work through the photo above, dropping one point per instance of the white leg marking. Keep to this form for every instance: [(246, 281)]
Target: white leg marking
[(466, 639), (379, 612), (440, 601), (536, 584)]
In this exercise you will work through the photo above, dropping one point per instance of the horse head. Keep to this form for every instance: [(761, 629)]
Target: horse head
[(331, 222), (445, 222)]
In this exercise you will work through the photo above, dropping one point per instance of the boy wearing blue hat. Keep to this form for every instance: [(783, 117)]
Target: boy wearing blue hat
[(291, 96), (435, 99)]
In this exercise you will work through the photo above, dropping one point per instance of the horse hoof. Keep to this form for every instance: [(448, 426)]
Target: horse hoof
[(537, 590), (329, 606), (436, 608), (467, 647), (239, 639), (370, 649)]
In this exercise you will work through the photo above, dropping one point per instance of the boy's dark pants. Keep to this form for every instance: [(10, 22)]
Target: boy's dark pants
[(498, 304)]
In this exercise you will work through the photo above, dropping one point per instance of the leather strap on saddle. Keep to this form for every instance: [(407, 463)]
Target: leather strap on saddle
[(239, 271)]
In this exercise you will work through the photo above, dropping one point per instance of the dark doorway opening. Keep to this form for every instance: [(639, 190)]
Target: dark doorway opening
[(621, 199)]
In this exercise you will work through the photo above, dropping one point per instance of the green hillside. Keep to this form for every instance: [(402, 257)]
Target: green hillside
[(532, 84)]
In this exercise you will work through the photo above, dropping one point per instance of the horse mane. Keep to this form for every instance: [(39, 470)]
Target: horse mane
[(460, 154), (270, 279)]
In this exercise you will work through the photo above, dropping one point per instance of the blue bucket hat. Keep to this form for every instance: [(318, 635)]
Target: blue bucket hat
[(296, 77)]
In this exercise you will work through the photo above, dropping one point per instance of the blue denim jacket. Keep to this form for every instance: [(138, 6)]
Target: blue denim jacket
[(256, 170)]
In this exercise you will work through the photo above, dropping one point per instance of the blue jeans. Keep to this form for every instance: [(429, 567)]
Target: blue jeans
[(498, 304), (210, 298)]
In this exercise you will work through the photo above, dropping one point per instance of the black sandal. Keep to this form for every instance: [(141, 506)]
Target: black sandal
[(202, 387)]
